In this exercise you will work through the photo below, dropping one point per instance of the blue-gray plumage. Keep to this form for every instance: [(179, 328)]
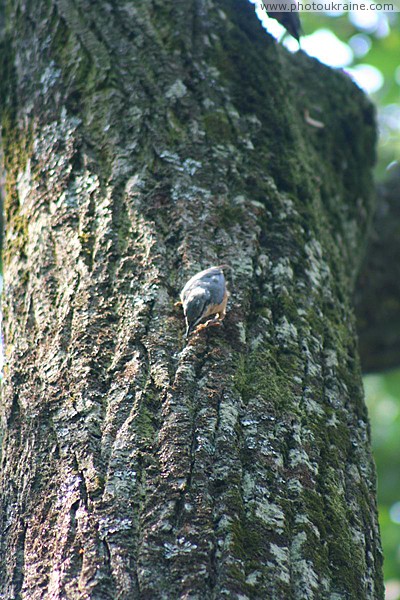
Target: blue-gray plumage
[(204, 295)]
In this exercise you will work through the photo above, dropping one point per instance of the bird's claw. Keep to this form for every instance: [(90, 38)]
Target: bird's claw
[(211, 323)]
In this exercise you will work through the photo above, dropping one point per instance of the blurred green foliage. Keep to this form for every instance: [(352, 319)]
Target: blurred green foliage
[(383, 400), (381, 48), (373, 44)]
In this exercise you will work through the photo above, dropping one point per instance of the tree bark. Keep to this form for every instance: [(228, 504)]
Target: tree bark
[(144, 141)]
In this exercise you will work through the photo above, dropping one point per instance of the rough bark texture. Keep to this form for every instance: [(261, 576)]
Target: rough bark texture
[(145, 140), (378, 287)]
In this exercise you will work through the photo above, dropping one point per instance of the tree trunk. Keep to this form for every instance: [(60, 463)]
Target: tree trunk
[(377, 291), (145, 141)]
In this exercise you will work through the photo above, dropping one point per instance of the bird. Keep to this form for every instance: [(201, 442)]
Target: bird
[(204, 295), (289, 20)]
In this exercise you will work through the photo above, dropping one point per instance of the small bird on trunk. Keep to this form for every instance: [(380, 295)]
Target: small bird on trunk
[(204, 295)]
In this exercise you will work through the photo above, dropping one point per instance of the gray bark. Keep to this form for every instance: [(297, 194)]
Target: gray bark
[(144, 141)]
